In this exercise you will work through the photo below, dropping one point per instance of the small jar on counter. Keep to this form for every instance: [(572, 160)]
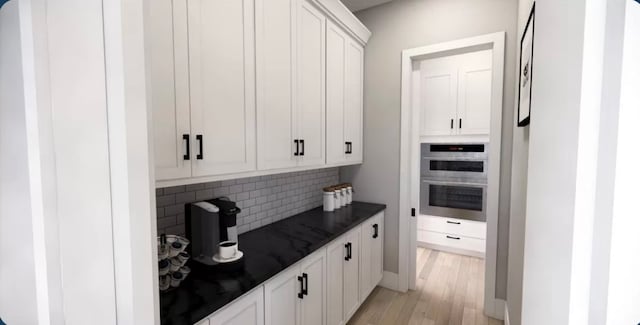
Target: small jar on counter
[(328, 199), (349, 192)]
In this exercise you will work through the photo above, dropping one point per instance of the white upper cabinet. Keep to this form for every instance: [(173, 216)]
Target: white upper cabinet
[(240, 87), (222, 79), (170, 88), (455, 94), (345, 63), (311, 84), (276, 47)]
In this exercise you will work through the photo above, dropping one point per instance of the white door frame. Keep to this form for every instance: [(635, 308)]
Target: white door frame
[(409, 163)]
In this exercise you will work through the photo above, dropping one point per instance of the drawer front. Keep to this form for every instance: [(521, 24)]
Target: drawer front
[(460, 227), (451, 240)]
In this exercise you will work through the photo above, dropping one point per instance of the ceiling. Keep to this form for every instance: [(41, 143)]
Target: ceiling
[(356, 5)]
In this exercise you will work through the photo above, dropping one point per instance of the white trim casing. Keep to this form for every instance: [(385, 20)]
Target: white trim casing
[(409, 153)]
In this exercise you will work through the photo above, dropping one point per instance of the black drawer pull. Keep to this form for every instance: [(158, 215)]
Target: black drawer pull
[(451, 123), (375, 231), (350, 256), (460, 125), (452, 237), (346, 247), (347, 147), (297, 153), (200, 154), (301, 293), (187, 156), (305, 289), (302, 145), (453, 222)]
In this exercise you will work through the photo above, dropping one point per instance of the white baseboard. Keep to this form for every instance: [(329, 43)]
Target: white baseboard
[(390, 280), (496, 308), (506, 314)]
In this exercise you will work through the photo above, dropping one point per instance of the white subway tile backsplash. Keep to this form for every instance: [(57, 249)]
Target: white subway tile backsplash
[(263, 199)]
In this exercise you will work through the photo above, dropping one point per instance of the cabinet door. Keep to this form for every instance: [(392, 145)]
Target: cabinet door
[(366, 252), (170, 88), (248, 310), (438, 98), (351, 275), (377, 250), (336, 253), (276, 46), (222, 75), (474, 93), (354, 64), (281, 298), (311, 84), (313, 306), (336, 47)]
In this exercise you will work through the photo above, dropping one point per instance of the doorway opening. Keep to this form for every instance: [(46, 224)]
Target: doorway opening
[(450, 158)]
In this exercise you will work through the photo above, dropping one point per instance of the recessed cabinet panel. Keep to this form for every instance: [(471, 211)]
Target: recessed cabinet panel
[(169, 88), (336, 254), (281, 298), (311, 84), (475, 101), (336, 47), (222, 78), (276, 46), (352, 274), (353, 100), (438, 101), (248, 310), (313, 306)]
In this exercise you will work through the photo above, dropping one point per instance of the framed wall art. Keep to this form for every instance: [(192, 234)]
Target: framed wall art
[(526, 71)]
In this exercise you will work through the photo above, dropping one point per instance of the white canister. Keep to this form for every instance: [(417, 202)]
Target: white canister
[(337, 202), (343, 198), (328, 201), (349, 194)]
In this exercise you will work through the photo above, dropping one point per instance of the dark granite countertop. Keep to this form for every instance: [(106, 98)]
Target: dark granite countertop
[(267, 251)]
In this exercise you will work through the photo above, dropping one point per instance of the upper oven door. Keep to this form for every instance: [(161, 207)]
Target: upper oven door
[(454, 200), (459, 170)]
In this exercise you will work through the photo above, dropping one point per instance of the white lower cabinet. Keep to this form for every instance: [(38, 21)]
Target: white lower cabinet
[(297, 295), (248, 310), (325, 288)]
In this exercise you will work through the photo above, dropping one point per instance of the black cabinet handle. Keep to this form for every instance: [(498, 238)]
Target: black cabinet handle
[(187, 156), (347, 147), (297, 153), (302, 145), (375, 231), (350, 256), (453, 222), (350, 147), (305, 290), (346, 247), (452, 124), (451, 237), (200, 154), (301, 293), (460, 124)]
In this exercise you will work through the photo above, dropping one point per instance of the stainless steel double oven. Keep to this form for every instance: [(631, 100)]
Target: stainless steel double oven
[(453, 180)]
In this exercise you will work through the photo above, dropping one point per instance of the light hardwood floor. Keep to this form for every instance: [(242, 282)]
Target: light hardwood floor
[(449, 290)]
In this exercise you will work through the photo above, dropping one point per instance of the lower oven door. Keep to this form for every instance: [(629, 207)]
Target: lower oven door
[(453, 199)]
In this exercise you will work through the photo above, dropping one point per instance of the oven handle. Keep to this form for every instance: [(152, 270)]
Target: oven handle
[(454, 183)]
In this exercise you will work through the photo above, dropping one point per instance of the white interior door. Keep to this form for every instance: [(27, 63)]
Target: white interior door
[(222, 75), (281, 299), (336, 254), (474, 93), (354, 65), (438, 100), (351, 275), (276, 55), (311, 84), (170, 88), (336, 47), (313, 306)]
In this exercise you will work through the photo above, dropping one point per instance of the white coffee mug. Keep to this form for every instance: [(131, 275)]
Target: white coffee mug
[(227, 249)]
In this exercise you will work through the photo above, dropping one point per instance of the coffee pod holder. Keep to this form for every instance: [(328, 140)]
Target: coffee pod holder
[(172, 260)]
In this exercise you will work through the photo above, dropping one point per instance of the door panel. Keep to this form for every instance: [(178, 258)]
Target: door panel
[(170, 88), (336, 47), (222, 74), (438, 101), (366, 254), (377, 250), (474, 109), (281, 298), (335, 269), (351, 275), (248, 310), (353, 99), (311, 84), (276, 46), (314, 303)]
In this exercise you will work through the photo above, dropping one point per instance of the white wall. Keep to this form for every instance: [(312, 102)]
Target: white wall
[(404, 24), (18, 300)]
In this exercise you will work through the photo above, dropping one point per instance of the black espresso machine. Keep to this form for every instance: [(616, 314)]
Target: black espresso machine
[(210, 224)]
